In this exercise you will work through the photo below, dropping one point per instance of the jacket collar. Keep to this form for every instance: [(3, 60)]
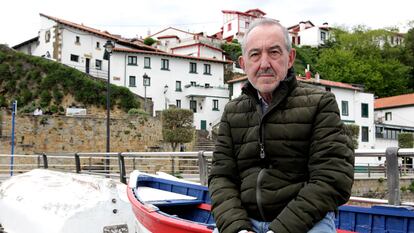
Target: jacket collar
[(285, 87)]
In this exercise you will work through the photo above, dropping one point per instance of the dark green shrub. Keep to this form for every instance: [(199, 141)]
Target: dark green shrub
[(45, 98), (406, 140), (57, 96), (352, 130), (53, 109)]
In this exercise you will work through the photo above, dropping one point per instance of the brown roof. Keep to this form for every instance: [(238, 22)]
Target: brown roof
[(126, 50), (394, 101), (103, 34), (311, 81)]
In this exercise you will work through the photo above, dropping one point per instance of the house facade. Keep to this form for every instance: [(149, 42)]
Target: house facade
[(355, 105), (306, 33), (236, 23), (171, 80), (393, 115), (189, 81)]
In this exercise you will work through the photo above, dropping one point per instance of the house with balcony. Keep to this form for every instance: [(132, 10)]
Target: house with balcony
[(355, 105), (176, 41), (393, 115), (170, 78)]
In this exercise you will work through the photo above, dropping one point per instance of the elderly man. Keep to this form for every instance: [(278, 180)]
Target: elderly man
[(282, 162)]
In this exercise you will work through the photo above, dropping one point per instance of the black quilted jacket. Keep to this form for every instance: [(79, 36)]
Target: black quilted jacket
[(290, 165)]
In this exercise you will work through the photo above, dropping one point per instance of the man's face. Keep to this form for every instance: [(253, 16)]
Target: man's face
[(266, 59)]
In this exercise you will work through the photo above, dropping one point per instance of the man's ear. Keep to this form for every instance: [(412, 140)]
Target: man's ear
[(292, 56), (241, 62)]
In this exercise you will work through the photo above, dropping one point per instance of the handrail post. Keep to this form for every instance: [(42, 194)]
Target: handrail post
[(393, 179), (202, 167), (122, 172), (45, 162), (77, 163)]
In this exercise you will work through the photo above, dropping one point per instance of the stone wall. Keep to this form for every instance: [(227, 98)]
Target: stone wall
[(56, 134)]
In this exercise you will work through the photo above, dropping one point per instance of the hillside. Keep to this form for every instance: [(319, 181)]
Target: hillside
[(39, 82)]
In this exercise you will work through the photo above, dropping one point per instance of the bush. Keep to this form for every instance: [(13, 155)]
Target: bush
[(137, 111), (45, 98), (406, 140), (352, 131)]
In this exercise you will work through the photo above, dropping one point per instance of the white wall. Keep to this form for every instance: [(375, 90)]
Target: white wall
[(179, 71), (403, 116)]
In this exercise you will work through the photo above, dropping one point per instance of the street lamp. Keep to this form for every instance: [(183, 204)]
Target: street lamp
[(165, 94), (107, 56), (146, 82)]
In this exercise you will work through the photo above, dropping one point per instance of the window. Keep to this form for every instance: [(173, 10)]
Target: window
[(207, 85), (193, 67), (98, 45), (98, 64), (388, 116), (77, 40), (364, 110), (132, 81), (178, 103), (364, 134), (207, 69), (229, 27), (132, 60), (215, 105), (147, 62), (379, 132), (74, 58), (344, 108), (323, 36), (47, 36), (193, 105), (146, 81), (192, 83), (247, 24), (178, 86), (165, 64), (328, 89), (298, 40)]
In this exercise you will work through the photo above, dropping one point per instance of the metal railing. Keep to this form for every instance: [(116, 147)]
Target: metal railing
[(184, 164)]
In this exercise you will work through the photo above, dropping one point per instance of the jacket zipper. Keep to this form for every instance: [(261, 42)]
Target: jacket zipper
[(259, 194), (259, 176)]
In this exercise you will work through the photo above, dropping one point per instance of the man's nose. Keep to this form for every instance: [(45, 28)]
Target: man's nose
[(264, 62)]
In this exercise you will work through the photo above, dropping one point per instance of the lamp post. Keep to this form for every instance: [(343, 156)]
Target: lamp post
[(146, 82), (165, 95), (107, 55)]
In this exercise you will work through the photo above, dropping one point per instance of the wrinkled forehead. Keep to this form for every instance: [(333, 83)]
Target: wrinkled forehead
[(270, 34)]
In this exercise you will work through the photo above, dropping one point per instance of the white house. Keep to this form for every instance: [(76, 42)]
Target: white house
[(75, 45), (393, 115), (177, 41), (236, 23), (306, 33), (172, 79), (355, 105)]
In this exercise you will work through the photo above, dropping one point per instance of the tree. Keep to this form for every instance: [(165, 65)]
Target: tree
[(366, 57), (149, 41), (177, 126)]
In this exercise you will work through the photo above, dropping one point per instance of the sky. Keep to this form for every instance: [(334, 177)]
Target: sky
[(20, 20)]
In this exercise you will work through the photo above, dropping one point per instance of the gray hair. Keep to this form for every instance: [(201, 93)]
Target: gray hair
[(266, 21)]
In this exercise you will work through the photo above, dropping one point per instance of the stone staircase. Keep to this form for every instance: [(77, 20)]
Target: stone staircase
[(202, 142)]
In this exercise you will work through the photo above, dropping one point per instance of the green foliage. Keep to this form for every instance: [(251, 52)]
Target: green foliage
[(3, 101), (30, 79), (177, 126), (233, 49), (352, 131), (45, 98), (136, 111), (411, 187), (149, 41), (406, 140), (366, 57)]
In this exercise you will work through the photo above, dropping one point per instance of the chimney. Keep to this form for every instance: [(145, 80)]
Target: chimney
[(317, 77), (307, 72)]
